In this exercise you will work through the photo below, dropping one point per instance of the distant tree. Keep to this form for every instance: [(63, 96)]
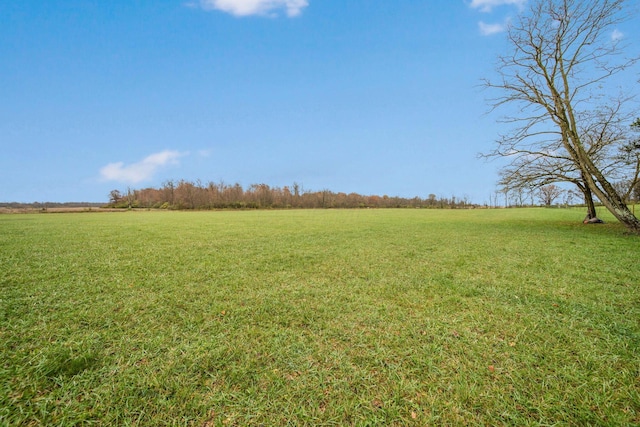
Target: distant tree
[(549, 193), (130, 197), (115, 197), (296, 194), (569, 195), (168, 190), (519, 194)]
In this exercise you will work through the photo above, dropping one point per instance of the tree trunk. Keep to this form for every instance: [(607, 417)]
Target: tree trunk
[(612, 201), (588, 199), (594, 180)]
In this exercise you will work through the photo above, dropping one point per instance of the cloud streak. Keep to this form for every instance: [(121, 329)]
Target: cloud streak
[(142, 170), (488, 5), (617, 35), (489, 29), (255, 7)]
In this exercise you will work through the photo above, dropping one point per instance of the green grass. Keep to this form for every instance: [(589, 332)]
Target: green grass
[(336, 317)]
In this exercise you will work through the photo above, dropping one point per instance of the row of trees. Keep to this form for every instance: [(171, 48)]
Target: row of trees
[(551, 194), (184, 194), (49, 205), (567, 125)]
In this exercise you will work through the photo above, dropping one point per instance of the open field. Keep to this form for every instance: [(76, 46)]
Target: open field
[(318, 317)]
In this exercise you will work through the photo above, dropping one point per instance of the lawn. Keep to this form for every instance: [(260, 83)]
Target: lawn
[(317, 318)]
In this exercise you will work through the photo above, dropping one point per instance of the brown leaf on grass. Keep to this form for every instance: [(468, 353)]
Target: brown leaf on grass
[(292, 375), (211, 421), (492, 368)]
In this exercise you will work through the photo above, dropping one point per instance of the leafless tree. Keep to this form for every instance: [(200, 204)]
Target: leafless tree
[(562, 128), (549, 193), (115, 197), (606, 138)]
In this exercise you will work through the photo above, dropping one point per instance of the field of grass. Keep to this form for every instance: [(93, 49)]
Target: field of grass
[(318, 318)]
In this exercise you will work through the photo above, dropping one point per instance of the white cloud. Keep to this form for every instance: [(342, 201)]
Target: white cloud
[(617, 35), (142, 170), (488, 5), (489, 29), (256, 7)]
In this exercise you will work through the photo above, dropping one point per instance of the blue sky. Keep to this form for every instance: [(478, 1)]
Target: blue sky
[(367, 96)]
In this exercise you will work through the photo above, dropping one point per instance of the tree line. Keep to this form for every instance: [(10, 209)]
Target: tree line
[(550, 194), (47, 205), (184, 194)]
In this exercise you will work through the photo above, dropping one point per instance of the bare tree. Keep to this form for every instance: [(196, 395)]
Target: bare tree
[(131, 197), (604, 133), (549, 193), (114, 197), (562, 54)]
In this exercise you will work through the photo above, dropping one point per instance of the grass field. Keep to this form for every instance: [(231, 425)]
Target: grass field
[(318, 318)]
